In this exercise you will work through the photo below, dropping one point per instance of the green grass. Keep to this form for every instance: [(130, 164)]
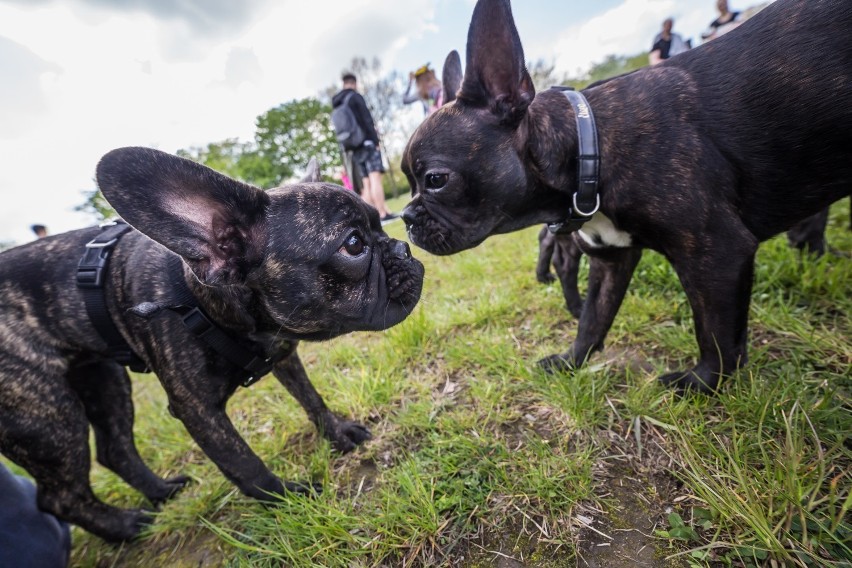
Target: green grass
[(478, 454)]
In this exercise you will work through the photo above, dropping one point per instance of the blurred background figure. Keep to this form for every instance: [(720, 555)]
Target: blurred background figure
[(367, 157), (666, 44), (345, 180), (726, 21), (427, 89), (39, 230)]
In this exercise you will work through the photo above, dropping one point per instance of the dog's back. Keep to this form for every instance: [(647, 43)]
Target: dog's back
[(773, 100), (42, 313)]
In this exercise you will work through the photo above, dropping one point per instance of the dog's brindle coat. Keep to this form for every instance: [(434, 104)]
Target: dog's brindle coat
[(307, 261), (702, 157)]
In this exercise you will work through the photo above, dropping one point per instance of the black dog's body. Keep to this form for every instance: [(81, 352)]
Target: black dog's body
[(270, 268), (702, 157)]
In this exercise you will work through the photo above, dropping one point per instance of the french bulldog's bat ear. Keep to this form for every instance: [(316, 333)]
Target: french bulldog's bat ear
[(495, 74), (217, 224), (451, 76), (312, 173)]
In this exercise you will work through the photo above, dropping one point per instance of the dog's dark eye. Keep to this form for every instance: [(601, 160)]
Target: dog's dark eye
[(353, 245), (436, 181)]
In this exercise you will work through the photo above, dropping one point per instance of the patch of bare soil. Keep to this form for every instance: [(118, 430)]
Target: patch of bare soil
[(622, 533)]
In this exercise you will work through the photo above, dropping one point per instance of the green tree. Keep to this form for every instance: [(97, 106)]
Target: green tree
[(289, 135), (96, 205), (233, 158), (610, 67), (542, 74)]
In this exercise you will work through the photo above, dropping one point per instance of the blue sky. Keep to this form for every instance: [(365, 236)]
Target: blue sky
[(81, 77)]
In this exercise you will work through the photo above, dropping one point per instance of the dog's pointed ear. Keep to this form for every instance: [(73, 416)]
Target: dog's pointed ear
[(495, 73), (451, 76), (312, 173), (217, 224)]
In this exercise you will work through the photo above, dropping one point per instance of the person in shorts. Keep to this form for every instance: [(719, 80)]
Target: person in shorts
[(367, 157)]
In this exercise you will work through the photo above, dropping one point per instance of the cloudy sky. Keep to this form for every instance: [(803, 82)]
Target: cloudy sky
[(81, 77)]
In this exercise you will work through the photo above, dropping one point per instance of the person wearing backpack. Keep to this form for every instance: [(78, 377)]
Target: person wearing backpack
[(356, 133)]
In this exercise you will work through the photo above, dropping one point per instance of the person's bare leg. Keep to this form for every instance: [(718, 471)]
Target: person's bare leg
[(365, 192), (377, 193)]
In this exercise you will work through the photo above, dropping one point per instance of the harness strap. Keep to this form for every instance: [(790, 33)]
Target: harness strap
[(586, 200), (202, 326), (91, 276)]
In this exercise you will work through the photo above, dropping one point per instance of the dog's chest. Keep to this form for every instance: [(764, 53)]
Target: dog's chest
[(599, 232)]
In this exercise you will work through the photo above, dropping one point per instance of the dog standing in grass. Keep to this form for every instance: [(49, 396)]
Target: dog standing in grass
[(307, 261), (701, 158)]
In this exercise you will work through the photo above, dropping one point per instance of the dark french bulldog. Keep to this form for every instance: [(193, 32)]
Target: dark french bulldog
[(308, 261), (701, 158)]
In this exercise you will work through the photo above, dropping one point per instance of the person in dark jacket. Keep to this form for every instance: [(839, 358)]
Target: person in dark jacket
[(368, 157)]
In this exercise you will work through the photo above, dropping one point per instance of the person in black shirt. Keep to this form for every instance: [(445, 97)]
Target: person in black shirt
[(726, 21), (368, 157), (666, 44)]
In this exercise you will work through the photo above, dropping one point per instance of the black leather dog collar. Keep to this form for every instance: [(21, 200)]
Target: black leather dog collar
[(586, 200)]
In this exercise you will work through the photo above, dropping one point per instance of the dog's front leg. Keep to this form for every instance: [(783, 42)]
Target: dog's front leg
[(718, 285), (610, 271), (344, 435), (203, 414)]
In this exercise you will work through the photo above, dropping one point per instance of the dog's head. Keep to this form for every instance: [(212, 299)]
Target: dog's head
[(466, 162), (312, 255)]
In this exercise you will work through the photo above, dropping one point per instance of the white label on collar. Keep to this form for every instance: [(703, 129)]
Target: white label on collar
[(599, 232)]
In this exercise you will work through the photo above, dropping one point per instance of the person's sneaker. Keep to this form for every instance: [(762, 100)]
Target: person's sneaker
[(389, 217)]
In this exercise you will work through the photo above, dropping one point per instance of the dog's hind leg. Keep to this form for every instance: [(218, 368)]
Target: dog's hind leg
[(566, 261), (43, 428), (344, 435), (808, 235), (104, 387), (546, 245), (610, 271), (717, 280)]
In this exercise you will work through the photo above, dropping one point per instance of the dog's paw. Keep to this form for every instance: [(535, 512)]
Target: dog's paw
[(545, 278), (684, 382), (308, 488), (559, 363), (128, 526), (349, 435), (575, 307), (167, 489)]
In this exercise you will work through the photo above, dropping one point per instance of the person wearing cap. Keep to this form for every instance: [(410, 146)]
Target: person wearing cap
[(427, 89)]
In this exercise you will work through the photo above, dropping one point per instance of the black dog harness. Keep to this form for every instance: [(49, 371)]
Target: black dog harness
[(91, 274), (586, 200)]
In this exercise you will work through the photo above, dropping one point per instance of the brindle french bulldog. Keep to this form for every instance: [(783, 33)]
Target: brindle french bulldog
[(308, 261), (701, 158)]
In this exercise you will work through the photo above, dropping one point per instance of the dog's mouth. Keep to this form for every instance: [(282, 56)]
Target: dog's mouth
[(434, 234)]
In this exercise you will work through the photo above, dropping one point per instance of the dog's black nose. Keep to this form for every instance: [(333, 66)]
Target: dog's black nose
[(400, 250), (408, 215)]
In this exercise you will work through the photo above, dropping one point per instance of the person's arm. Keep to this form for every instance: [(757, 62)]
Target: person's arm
[(655, 56), (365, 119), (410, 97)]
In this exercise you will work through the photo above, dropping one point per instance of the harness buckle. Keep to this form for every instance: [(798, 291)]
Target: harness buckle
[(92, 267)]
